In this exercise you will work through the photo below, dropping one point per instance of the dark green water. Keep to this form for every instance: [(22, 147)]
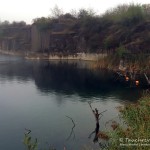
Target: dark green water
[(39, 95)]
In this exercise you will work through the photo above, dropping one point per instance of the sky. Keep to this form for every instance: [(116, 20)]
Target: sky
[(27, 10)]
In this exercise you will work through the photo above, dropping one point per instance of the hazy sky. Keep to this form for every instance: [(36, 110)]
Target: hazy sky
[(27, 10)]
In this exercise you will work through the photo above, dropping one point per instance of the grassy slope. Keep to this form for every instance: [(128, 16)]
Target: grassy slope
[(137, 121)]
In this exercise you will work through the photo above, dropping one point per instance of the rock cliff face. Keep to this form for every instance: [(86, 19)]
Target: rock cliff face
[(15, 38), (70, 39), (53, 41), (30, 38)]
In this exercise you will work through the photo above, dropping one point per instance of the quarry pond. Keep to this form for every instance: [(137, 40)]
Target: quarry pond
[(45, 96)]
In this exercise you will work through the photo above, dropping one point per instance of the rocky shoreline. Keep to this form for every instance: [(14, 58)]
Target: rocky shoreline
[(56, 56)]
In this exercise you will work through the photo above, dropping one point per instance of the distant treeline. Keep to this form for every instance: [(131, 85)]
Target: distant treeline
[(82, 31)]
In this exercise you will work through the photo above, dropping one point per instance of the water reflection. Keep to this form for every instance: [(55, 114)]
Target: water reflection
[(65, 77)]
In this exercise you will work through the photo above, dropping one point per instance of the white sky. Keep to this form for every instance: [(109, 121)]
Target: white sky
[(26, 10)]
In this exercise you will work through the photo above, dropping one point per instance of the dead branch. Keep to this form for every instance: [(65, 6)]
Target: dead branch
[(102, 112), (98, 116), (95, 112), (72, 130)]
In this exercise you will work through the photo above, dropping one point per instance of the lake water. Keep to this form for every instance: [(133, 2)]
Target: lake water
[(39, 95)]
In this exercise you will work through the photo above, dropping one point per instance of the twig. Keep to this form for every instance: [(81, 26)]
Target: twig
[(98, 113), (90, 105), (72, 130), (71, 120), (102, 112), (91, 134), (147, 79), (101, 116)]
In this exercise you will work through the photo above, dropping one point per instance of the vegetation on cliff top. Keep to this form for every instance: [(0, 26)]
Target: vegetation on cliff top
[(127, 25)]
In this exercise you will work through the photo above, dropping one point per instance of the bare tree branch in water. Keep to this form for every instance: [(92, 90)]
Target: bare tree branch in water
[(98, 116), (96, 113), (72, 130)]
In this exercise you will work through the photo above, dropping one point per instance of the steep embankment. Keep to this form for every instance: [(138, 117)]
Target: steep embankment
[(126, 25)]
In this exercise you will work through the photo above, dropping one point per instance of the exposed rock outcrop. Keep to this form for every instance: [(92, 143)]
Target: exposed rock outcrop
[(16, 38)]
